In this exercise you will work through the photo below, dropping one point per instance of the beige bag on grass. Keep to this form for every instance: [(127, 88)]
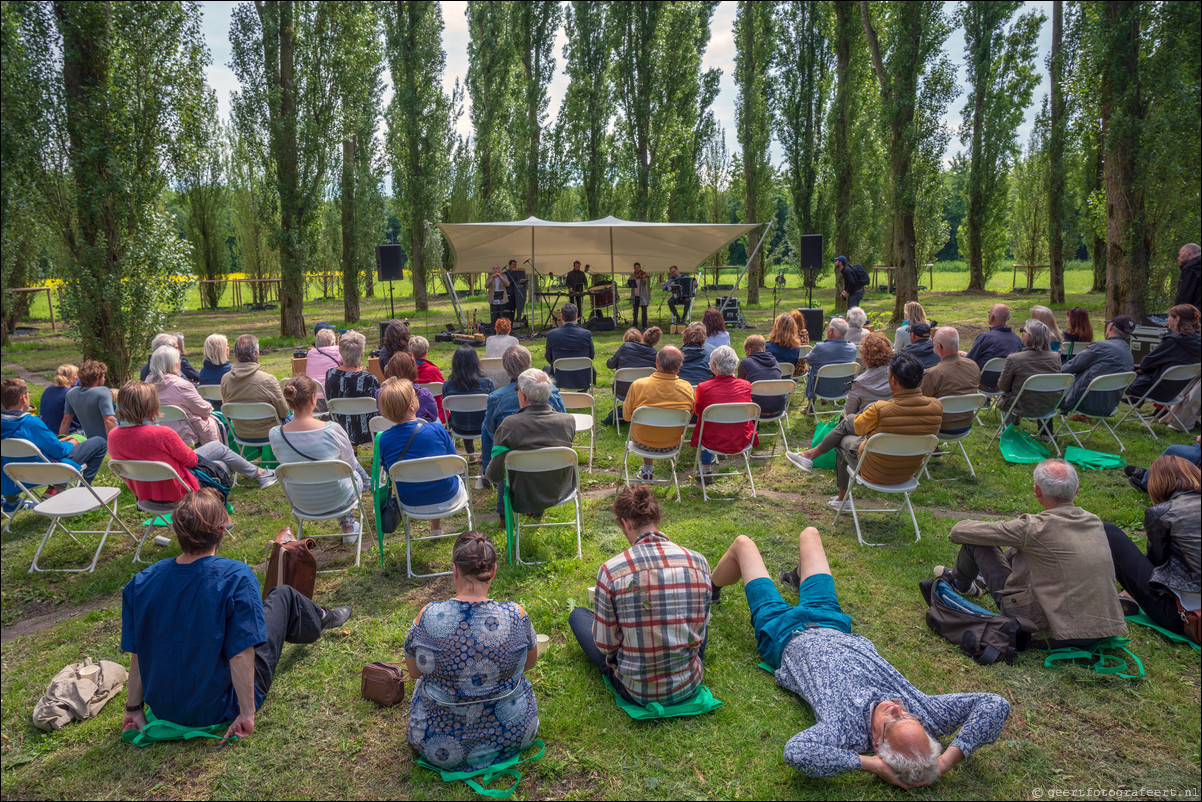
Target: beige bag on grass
[(77, 692)]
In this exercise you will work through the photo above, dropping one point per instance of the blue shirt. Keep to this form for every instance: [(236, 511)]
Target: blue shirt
[(431, 440), (501, 404), (212, 374), (53, 399), (782, 354), (24, 426), (827, 352), (467, 421), (185, 623)]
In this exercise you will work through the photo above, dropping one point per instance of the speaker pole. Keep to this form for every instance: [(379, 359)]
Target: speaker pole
[(391, 302), (743, 272)]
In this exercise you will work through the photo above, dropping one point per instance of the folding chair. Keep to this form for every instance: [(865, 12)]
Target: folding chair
[(352, 407), (891, 445), (1068, 350), (149, 471), (766, 390), (787, 370), (247, 411), (954, 404), (1113, 384), (431, 469), (379, 424), (210, 392), (571, 364), (1176, 381), (623, 378), (17, 448), (435, 389), (80, 499), (493, 368), (584, 420), (541, 460), (1052, 386), (990, 375), (302, 479), (658, 418), (467, 403), (832, 383), (170, 413), (726, 413)]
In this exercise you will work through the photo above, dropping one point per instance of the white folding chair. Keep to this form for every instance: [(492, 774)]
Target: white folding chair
[(1052, 387), (891, 445), (542, 460), (302, 479), (149, 471), (726, 413), (431, 469), (379, 424), (623, 378), (1069, 350), (958, 404), (80, 499), (493, 368), (466, 404), (786, 370), (1113, 384), (435, 389), (584, 420), (831, 384), (17, 448), (990, 374), (570, 364), (766, 390), (248, 411), (1176, 380), (656, 418), (210, 392), (170, 413), (352, 407)]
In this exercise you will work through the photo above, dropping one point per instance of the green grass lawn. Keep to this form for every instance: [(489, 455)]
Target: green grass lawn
[(316, 738)]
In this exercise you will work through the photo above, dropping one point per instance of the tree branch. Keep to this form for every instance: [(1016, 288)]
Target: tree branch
[(874, 48)]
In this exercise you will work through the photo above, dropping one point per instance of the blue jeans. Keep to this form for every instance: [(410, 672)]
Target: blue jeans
[(88, 455), (1190, 453)]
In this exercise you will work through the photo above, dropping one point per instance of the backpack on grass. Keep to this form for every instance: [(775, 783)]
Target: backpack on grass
[(984, 636)]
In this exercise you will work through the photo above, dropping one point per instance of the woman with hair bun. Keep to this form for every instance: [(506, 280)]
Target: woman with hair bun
[(652, 609), (307, 439), (472, 705)]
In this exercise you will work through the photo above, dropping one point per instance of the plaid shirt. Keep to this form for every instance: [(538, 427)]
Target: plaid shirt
[(650, 616)]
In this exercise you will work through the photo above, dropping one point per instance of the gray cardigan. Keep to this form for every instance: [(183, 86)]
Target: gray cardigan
[(870, 386)]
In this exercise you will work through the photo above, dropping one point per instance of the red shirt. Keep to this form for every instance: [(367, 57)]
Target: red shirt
[(428, 372), (728, 438), (155, 444)]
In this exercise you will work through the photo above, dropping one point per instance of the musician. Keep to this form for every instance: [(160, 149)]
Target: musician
[(576, 280), (517, 297), (640, 293), (497, 287), (682, 294)]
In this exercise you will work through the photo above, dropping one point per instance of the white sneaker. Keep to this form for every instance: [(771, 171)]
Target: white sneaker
[(435, 532), (479, 482), (795, 457), (646, 474), (836, 504), (266, 479), (350, 537)]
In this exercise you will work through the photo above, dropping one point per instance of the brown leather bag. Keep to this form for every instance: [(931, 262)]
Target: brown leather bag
[(291, 562), (1192, 621), (383, 683)]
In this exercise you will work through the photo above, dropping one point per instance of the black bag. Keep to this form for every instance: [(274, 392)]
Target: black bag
[(390, 510), (861, 275), (215, 475), (984, 636)]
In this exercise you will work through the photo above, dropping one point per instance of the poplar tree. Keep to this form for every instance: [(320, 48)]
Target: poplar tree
[(533, 25), (753, 34), (588, 106), (1057, 126), (490, 77)]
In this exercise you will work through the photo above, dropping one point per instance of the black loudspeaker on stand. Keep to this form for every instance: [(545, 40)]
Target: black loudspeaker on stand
[(390, 267), (810, 260)]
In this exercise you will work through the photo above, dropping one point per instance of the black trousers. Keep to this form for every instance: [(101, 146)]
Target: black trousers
[(686, 306), (290, 618), (635, 306), (854, 298), (1133, 570)]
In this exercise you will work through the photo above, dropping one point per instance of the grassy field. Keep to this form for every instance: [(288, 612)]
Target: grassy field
[(316, 738)]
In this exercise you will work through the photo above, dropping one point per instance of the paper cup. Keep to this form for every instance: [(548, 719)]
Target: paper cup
[(592, 596), (91, 673), (543, 642)]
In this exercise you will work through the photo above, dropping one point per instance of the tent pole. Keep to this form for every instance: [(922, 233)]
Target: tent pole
[(743, 272), (446, 279), (612, 279)]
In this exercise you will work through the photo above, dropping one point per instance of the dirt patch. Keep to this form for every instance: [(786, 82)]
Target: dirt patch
[(28, 375), (36, 620)]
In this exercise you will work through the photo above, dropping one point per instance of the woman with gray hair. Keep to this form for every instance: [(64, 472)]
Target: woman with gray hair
[(174, 389), (1035, 358), (320, 360), (856, 318), (350, 380), (724, 388)]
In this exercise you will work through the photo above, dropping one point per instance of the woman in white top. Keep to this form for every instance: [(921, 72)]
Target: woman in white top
[(174, 389), (914, 314), (307, 439), (856, 318), (496, 345), (318, 361)]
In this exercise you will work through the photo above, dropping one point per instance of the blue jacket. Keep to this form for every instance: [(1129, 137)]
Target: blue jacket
[(696, 367), (24, 426), (570, 340), (999, 341), (827, 352), (501, 404)]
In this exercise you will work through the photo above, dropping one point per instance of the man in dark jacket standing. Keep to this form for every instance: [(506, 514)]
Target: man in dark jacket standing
[(855, 279), (1189, 286)]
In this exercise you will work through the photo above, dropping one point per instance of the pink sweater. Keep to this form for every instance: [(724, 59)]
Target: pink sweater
[(155, 444)]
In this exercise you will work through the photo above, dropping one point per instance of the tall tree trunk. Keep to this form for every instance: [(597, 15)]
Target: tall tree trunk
[(1098, 251), (844, 19), (292, 284), (1056, 163), (350, 277), (975, 211)]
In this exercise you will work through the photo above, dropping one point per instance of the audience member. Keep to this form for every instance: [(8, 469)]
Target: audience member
[(216, 360), (859, 700), (1181, 346), (1172, 569), (322, 358), (200, 427), (834, 350), (1112, 355), (872, 383), (446, 646), (921, 345), (715, 329), (1035, 358), (247, 383), (648, 628), (908, 412), (224, 667), (176, 340), (1048, 318), (696, 366), (536, 424), (1189, 282), (139, 438), (951, 375), (404, 366), (466, 379), (496, 345), (914, 314), (90, 401), (307, 439), (758, 365), (350, 380), (54, 397), (803, 334), (666, 390), (998, 342), (856, 320), (1079, 329), (1138, 477), (394, 340), (412, 438), (16, 422), (1054, 576), (503, 402), (567, 341), (724, 388), (427, 371), (636, 351), (784, 342)]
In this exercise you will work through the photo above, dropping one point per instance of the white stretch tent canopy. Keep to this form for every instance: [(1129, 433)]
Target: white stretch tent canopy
[(606, 244)]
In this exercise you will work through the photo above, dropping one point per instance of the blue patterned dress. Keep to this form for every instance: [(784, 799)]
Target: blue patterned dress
[(472, 705)]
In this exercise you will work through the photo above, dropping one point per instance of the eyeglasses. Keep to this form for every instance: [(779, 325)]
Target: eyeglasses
[(893, 719), (1022, 331)]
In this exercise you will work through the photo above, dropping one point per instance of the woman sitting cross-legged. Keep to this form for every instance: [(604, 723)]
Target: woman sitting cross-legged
[(175, 389), (137, 437), (472, 705), (412, 438), (307, 439)]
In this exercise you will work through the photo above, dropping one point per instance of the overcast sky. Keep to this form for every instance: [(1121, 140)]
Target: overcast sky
[(720, 54)]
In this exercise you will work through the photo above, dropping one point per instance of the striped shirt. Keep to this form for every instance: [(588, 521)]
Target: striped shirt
[(650, 616)]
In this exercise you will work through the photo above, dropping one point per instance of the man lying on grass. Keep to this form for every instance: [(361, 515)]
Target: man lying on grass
[(859, 700), (203, 646)]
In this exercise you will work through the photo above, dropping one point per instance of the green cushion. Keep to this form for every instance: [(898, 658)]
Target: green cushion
[(1144, 621), (827, 460), (157, 730), (1095, 460), (1018, 446), (486, 775), (702, 702)]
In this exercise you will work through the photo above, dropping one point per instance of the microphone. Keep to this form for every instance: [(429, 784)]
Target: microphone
[(526, 262)]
